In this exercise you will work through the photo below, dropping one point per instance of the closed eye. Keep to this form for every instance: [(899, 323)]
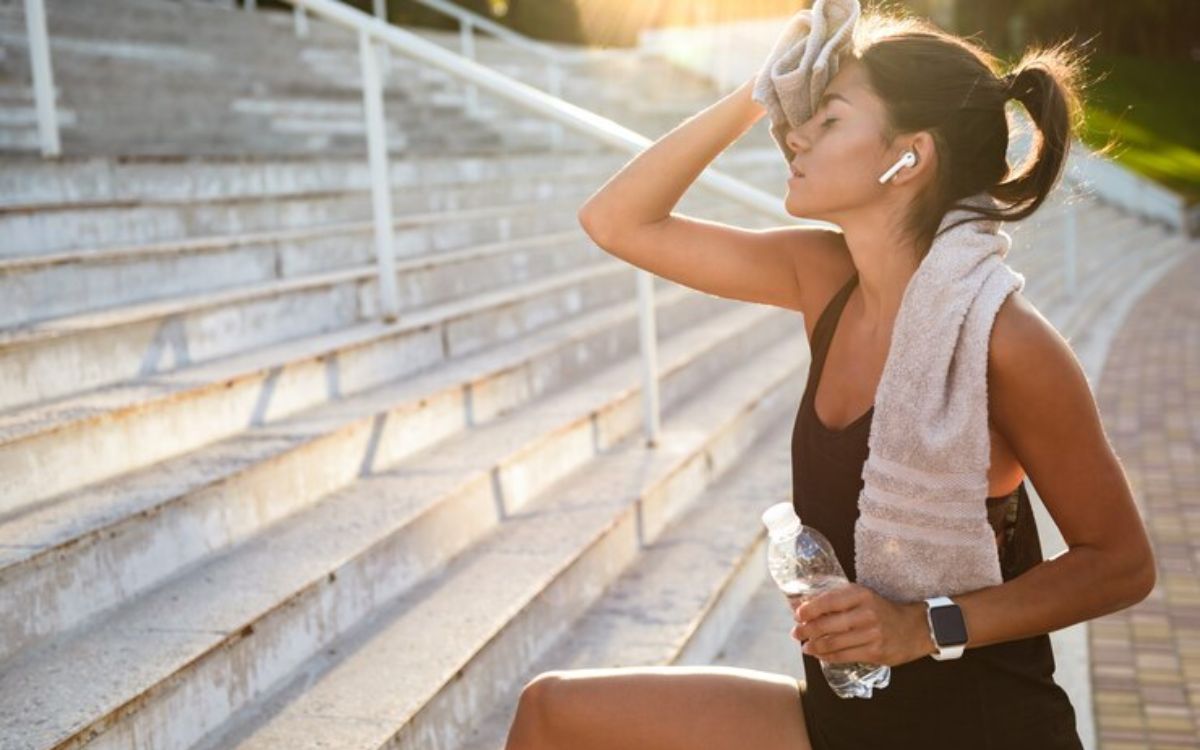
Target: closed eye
[(828, 122)]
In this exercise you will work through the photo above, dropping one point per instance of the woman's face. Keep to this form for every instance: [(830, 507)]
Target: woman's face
[(838, 150)]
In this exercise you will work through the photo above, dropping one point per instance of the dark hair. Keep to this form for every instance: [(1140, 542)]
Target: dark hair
[(934, 81)]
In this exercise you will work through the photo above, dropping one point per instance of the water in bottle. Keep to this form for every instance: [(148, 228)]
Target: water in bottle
[(803, 564)]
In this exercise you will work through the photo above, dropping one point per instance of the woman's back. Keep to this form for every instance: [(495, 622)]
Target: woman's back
[(993, 696)]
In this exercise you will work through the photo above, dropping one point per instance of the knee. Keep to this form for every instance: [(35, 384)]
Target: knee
[(532, 711), (535, 694)]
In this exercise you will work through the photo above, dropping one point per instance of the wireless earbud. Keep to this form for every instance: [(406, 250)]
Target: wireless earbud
[(907, 160)]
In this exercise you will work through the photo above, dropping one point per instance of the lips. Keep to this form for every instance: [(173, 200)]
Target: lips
[(796, 172)]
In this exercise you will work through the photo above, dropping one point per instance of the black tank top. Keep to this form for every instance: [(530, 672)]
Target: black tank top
[(997, 696)]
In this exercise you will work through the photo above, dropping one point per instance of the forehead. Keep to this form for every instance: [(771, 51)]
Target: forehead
[(850, 83)]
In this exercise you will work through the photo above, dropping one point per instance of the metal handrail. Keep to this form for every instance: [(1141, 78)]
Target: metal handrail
[(501, 32), (372, 30), (376, 36), (468, 21)]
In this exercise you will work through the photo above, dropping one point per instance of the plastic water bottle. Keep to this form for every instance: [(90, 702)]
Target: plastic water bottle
[(803, 564)]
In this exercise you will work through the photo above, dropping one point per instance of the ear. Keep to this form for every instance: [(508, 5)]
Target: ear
[(922, 143)]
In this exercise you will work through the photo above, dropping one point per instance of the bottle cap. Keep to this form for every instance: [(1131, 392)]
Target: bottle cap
[(781, 518)]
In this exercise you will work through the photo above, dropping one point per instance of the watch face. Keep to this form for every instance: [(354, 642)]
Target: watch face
[(948, 625)]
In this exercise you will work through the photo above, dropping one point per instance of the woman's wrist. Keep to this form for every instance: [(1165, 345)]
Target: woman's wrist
[(922, 638), (746, 92)]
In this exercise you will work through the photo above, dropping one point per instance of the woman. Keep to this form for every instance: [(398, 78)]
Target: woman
[(905, 85)]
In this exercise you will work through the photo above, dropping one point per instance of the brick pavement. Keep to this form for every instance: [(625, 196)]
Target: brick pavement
[(1145, 660)]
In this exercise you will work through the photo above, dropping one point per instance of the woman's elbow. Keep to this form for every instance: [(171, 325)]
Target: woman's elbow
[(1149, 576), (1143, 578), (594, 225)]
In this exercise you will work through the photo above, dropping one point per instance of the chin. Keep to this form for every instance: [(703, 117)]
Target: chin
[(801, 211)]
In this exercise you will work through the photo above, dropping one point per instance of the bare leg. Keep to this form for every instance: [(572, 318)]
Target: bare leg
[(660, 708)]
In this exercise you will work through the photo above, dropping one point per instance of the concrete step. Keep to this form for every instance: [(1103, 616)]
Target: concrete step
[(121, 519), (209, 140), (1096, 225), (226, 33), (464, 139), (208, 124), (672, 601), (688, 597), (97, 226), (22, 140), (613, 59), (212, 79), (429, 709), (412, 112), (22, 118), (108, 231), (1122, 233), (606, 76), (247, 103), (42, 287), (66, 284), (1096, 293), (761, 639), (30, 183), (62, 356), (392, 537), (134, 423), (1096, 320), (221, 76), (467, 325)]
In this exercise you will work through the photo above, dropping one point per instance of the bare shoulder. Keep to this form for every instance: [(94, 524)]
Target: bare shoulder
[(822, 264), (1021, 337), (1039, 397), (1042, 404)]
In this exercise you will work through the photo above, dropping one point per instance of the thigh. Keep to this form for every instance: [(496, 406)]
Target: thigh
[(672, 708)]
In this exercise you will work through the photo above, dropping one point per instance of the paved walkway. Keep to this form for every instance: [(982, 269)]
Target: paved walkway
[(1146, 659)]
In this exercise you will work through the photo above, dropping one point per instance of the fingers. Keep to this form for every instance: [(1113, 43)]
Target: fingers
[(837, 622), (845, 596), (868, 653), (854, 645)]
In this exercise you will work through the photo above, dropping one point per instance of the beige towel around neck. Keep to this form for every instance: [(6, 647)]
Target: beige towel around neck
[(922, 529)]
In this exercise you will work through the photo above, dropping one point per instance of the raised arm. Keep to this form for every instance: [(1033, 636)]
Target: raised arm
[(631, 217)]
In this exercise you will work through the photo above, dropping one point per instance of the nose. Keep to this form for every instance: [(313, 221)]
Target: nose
[(796, 139)]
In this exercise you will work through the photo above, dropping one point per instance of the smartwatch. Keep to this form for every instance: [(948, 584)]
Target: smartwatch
[(946, 626)]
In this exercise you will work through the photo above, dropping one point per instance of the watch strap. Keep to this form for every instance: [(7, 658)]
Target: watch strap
[(944, 652)]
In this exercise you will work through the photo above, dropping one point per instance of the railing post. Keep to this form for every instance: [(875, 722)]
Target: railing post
[(467, 44), (540, 102), (554, 73), (385, 53), (381, 195), (301, 21), (1069, 241), (648, 341), (43, 77)]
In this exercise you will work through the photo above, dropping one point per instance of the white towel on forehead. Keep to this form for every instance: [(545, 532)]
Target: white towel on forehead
[(801, 64), (923, 527)]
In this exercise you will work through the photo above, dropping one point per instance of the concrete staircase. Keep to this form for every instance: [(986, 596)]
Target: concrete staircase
[(237, 510), (164, 77)]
